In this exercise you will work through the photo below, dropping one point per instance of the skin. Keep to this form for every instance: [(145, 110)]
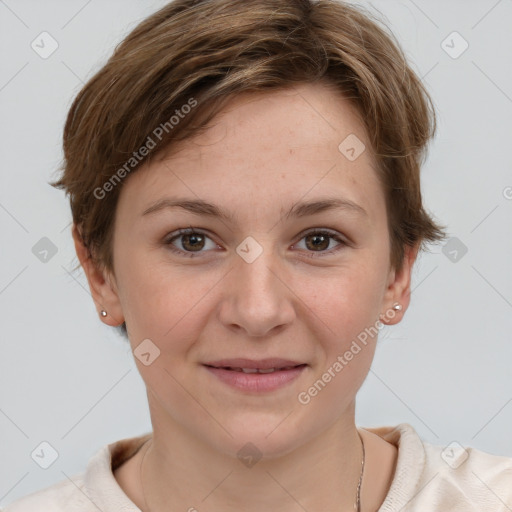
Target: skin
[(263, 153)]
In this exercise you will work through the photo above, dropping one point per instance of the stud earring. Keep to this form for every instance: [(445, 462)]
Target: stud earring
[(103, 313), (397, 307)]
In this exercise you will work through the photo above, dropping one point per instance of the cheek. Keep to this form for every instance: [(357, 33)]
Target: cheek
[(164, 304), (344, 309), (171, 313), (344, 299)]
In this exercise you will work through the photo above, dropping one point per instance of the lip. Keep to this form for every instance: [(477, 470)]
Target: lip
[(257, 382), (263, 364)]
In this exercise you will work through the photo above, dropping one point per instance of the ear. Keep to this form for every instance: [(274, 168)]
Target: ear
[(101, 283), (398, 290)]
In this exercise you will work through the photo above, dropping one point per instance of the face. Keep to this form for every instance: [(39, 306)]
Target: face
[(269, 278)]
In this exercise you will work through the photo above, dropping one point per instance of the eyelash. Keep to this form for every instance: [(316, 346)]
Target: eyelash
[(309, 254)]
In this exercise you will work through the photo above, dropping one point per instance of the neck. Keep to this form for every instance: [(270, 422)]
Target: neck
[(180, 471)]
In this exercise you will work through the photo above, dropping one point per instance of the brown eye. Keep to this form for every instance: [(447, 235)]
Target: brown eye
[(189, 242), (192, 242), (318, 241)]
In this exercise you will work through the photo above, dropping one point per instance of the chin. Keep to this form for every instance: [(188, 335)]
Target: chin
[(269, 436)]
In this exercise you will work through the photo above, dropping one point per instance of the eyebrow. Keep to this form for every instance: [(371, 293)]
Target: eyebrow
[(300, 209)]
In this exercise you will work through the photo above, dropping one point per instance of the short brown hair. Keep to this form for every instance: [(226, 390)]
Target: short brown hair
[(198, 54)]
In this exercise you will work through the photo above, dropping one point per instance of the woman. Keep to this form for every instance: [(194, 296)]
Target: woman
[(244, 181)]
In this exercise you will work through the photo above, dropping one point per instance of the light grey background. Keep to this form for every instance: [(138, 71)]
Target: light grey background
[(446, 368)]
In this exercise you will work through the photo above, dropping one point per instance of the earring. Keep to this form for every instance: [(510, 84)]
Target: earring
[(103, 312), (397, 307)]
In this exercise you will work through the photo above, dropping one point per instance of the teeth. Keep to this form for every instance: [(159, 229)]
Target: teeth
[(259, 370), (255, 370)]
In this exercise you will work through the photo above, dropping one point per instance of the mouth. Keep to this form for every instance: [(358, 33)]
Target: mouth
[(256, 376), (257, 370)]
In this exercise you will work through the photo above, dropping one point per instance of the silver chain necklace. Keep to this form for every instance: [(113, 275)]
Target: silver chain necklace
[(357, 504)]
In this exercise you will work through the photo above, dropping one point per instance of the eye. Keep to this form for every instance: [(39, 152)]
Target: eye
[(319, 241), (192, 241)]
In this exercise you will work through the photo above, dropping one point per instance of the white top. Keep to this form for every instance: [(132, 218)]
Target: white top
[(428, 478)]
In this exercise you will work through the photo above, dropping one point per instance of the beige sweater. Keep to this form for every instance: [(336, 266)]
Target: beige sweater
[(427, 478)]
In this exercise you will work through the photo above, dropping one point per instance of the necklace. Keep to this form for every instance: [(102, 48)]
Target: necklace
[(357, 504)]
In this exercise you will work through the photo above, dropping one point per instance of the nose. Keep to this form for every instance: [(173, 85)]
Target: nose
[(258, 299)]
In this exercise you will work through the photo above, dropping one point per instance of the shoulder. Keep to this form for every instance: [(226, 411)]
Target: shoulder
[(64, 496), (90, 491), (451, 478), (481, 480)]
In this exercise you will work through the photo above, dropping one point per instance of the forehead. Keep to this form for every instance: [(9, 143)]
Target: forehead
[(291, 142), (297, 118)]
